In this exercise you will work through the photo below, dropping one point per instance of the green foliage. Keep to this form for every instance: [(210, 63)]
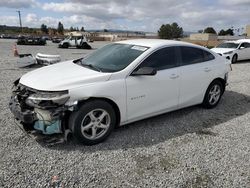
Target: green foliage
[(74, 28), (44, 29), (172, 31), (60, 28), (105, 30), (226, 32), (82, 29), (209, 30)]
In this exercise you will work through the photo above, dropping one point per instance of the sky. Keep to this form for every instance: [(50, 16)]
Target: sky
[(138, 15)]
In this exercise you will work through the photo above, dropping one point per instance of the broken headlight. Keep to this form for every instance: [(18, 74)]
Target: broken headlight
[(47, 99)]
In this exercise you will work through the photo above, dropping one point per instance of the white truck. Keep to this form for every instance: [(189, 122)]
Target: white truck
[(76, 40)]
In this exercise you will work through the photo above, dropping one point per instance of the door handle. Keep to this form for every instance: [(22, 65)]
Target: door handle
[(174, 76), (207, 69)]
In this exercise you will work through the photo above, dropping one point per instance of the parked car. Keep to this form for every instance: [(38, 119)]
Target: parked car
[(118, 84), (29, 40), (78, 41), (234, 50), (56, 39)]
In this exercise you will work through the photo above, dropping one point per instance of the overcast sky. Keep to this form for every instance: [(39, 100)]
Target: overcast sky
[(141, 15)]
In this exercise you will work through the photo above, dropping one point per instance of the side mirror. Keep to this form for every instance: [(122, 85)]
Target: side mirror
[(146, 71)]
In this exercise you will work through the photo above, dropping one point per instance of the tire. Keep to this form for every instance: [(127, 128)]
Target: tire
[(213, 94), (65, 45), (93, 122), (234, 58)]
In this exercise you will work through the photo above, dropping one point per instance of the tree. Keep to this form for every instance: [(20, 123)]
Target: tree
[(71, 28), (200, 31), (227, 32), (209, 30), (170, 31), (60, 28), (44, 28), (105, 30), (82, 29)]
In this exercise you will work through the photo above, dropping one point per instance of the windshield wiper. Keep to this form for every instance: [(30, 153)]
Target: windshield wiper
[(92, 67)]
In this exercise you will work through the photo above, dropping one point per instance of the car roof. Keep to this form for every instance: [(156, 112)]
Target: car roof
[(243, 40), (155, 43), (232, 41)]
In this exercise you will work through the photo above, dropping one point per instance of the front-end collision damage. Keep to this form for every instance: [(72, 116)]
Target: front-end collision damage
[(43, 111)]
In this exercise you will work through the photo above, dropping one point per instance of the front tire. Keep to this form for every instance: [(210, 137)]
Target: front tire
[(213, 94), (93, 122), (234, 58), (65, 45)]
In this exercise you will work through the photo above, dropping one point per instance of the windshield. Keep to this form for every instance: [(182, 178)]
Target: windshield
[(113, 57), (228, 45)]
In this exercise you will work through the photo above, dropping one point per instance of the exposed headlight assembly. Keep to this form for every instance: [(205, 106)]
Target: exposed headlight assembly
[(226, 53), (47, 99)]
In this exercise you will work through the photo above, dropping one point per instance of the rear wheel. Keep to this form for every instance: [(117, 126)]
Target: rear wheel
[(213, 94), (93, 122), (234, 58)]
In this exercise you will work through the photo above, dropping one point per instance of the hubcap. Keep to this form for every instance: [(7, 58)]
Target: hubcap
[(95, 124), (214, 94)]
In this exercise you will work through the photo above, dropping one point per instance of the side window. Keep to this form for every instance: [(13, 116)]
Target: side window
[(191, 55), (162, 59), (208, 56), (247, 45), (243, 45)]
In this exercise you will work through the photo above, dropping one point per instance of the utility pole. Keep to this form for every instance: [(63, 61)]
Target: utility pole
[(20, 20)]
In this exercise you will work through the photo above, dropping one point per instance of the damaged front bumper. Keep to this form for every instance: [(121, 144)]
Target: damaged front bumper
[(38, 110)]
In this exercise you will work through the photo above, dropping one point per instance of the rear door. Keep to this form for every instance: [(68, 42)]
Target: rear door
[(197, 69), (148, 95)]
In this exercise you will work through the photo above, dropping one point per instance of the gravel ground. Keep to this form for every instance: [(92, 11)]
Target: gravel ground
[(192, 147)]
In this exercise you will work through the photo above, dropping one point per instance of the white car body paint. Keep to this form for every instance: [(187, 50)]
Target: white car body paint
[(137, 97), (242, 53)]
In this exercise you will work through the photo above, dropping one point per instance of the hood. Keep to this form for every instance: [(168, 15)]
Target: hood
[(62, 76), (222, 50)]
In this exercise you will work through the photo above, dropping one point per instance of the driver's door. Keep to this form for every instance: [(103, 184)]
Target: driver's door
[(151, 94), (244, 51)]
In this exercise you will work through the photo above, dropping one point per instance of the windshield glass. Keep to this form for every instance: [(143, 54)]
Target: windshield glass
[(113, 57), (228, 45)]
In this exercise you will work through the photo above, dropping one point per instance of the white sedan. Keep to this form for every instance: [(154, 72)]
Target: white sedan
[(118, 84), (234, 50)]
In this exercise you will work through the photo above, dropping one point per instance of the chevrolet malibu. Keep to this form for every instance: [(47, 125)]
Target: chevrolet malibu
[(234, 50), (118, 84)]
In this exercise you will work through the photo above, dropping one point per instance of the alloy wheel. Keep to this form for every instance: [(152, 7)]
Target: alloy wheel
[(95, 124), (214, 94)]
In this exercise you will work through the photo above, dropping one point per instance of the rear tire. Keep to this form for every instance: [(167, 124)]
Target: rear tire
[(93, 122), (213, 94), (234, 58)]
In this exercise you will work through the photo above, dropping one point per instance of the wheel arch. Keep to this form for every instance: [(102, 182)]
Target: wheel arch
[(223, 81), (111, 102)]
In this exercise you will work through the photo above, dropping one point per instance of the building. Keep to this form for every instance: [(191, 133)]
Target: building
[(203, 36), (248, 30)]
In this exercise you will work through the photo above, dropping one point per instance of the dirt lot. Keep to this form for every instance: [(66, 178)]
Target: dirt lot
[(192, 147)]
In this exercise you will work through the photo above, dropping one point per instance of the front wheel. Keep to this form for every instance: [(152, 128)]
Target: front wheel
[(93, 122), (213, 94), (234, 58)]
